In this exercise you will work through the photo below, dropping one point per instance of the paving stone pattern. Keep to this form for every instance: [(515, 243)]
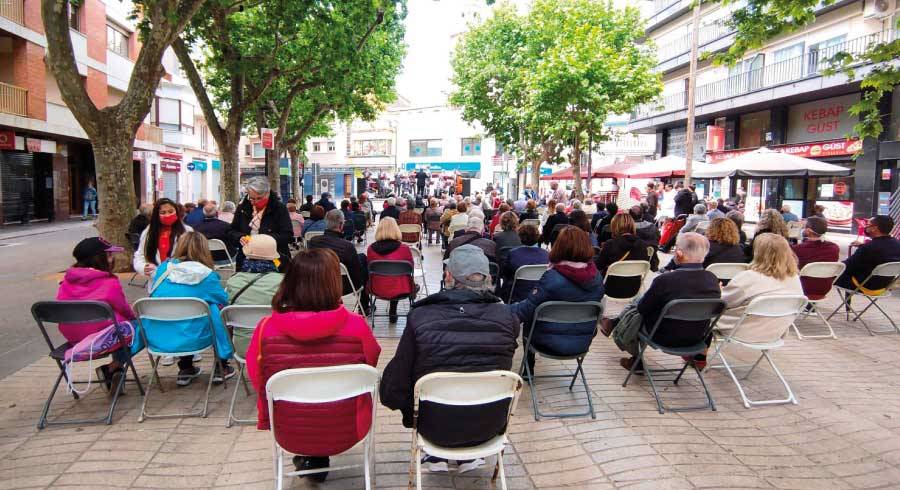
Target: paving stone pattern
[(845, 432)]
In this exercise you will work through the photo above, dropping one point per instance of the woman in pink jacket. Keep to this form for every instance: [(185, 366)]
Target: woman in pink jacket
[(309, 327), (91, 279)]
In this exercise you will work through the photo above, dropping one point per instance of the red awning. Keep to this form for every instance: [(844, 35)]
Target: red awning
[(564, 174), (617, 170)]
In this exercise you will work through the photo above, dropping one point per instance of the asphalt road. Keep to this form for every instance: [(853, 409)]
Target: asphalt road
[(32, 260)]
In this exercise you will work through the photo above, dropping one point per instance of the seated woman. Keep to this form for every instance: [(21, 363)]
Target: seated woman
[(572, 276), (530, 211), (309, 327), (160, 237), (507, 238), (579, 219), (770, 221), (316, 221), (91, 279), (258, 279), (495, 220), (623, 244), (432, 217), (387, 246), (530, 253), (724, 243), (189, 274)]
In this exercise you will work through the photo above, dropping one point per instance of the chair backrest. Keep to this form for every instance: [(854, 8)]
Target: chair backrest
[(725, 271), (468, 389), (345, 275), (243, 320), (628, 268), (767, 317), (416, 229), (419, 210), (650, 252), (305, 214), (691, 310), (218, 245), (821, 270), (170, 310), (322, 384), (390, 268), (888, 269), (795, 229), (309, 235), (568, 312), (70, 312), (296, 227), (702, 227), (533, 222), (134, 239), (454, 228), (531, 272), (417, 256)]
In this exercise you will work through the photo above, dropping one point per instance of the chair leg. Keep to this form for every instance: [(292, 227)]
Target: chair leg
[(418, 471), (209, 384), (531, 382), (279, 468), (587, 389), (230, 418), (153, 376), (414, 455), (640, 360), (43, 420), (502, 472), (712, 404), (681, 373), (659, 403), (753, 366), (137, 379), (874, 302), (734, 378), (367, 463)]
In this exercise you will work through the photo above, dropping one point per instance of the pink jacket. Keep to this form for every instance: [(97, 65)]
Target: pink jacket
[(86, 284)]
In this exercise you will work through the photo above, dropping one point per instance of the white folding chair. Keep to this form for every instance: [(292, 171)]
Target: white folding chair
[(702, 227), (410, 229), (242, 319), (532, 222), (453, 229), (619, 278), (463, 389), (795, 230), (761, 328), (886, 273), (305, 214), (420, 267), (309, 235), (172, 310), (816, 292), (527, 273), (217, 245), (324, 385), (725, 271), (356, 291)]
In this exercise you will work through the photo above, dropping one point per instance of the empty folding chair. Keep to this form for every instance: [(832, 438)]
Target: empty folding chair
[(760, 328), (242, 321), (416, 230), (226, 264), (463, 390), (419, 259), (74, 312), (706, 313), (561, 312), (356, 292), (171, 310), (875, 287), (389, 268), (725, 271), (624, 279), (531, 273), (319, 386), (818, 279)]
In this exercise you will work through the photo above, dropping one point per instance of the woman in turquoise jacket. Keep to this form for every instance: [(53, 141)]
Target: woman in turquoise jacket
[(189, 274)]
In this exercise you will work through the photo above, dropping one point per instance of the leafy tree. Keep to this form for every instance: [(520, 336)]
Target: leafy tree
[(759, 21), (112, 129)]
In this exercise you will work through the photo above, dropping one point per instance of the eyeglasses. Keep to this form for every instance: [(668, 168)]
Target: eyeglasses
[(254, 199)]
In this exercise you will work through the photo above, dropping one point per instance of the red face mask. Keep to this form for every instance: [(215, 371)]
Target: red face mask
[(261, 204), (169, 219)]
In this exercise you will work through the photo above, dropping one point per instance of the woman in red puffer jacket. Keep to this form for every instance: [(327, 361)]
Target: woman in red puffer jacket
[(388, 246), (309, 327)]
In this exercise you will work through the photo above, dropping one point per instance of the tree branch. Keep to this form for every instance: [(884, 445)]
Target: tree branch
[(193, 76), (307, 125)]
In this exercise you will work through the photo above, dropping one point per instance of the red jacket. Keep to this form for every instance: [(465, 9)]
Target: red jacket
[(494, 222), (303, 339), (390, 287)]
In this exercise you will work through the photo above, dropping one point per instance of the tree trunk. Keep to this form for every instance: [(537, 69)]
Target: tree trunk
[(536, 175), (575, 160), (115, 190), (295, 174), (273, 170), (230, 168)]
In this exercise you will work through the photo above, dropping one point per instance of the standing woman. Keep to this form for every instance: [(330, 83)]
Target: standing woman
[(158, 240), (262, 213)]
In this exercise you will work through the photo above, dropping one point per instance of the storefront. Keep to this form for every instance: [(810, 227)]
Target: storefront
[(168, 184), (197, 168), (339, 181)]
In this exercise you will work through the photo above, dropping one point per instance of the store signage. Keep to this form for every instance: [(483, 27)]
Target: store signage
[(7, 140), (840, 188), (160, 186), (821, 119), (35, 145), (715, 138), (190, 166), (809, 150), (170, 155), (268, 138), (169, 166)]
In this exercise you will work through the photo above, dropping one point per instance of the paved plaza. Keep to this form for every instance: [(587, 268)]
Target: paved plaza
[(844, 433)]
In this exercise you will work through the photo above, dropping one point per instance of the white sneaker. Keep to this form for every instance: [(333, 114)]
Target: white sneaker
[(198, 358), (435, 464), (465, 467), (167, 361)]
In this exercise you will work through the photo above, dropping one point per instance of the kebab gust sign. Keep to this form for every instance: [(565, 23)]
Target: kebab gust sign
[(806, 150)]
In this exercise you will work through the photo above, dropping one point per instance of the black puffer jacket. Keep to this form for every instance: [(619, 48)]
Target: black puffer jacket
[(456, 330), (276, 222)]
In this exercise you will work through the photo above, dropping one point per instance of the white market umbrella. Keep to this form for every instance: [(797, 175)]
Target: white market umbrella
[(767, 163), (667, 166)]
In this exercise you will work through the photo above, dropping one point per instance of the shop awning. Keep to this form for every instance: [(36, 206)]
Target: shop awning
[(670, 166), (564, 174), (767, 163), (617, 170)]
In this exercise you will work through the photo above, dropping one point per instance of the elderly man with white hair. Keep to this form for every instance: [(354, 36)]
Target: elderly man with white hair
[(688, 281), (390, 209), (261, 212), (474, 236)]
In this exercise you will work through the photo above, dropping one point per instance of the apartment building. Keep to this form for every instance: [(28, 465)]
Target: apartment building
[(46, 160), (778, 96)]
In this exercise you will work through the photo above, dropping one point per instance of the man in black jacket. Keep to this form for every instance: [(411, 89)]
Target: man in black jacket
[(882, 248), (464, 328), (558, 218), (308, 205), (325, 202), (355, 263), (390, 209), (215, 229), (684, 200), (262, 213), (421, 180)]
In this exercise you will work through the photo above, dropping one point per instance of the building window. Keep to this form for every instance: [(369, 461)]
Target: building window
[(247, 150), (471, 147), (331, 146), (754, 127), (73, 17), (204, 138), (317, 147), (820, 53), (425, 148), (258, 151), (371, 148), (117, 40)]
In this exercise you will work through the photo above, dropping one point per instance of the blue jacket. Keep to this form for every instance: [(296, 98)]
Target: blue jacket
[(562, 283), (516, 258), (195, 217), (188, 280), (310, 225)]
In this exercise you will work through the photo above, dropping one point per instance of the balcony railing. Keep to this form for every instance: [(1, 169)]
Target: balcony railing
[(807, 65), (13, 10), (716, 29), (13, 100)]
